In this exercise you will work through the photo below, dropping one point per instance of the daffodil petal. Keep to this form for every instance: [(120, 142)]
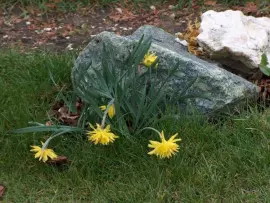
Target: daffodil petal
[(103, 107)]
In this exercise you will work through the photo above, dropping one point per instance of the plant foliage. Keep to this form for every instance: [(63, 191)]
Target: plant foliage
[(138, 92), (264, 65)]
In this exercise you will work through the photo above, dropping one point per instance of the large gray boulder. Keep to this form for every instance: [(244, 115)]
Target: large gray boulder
[(220, 89)]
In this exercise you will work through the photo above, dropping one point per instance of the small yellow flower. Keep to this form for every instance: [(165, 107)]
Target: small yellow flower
[(43, 154), (165, 148), (111, 111), (149, 59), (101, 135)]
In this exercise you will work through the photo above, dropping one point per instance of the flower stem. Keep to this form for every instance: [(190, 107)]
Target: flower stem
[(106, 112), (44, 146), (150, 128)]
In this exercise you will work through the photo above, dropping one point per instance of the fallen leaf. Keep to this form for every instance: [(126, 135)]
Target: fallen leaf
[(18, 20), (71, 120), (2, 191), (60, 160), (251, 7), (49, 123), (190, 36), (67, 117), (125, 16), (210, 2)]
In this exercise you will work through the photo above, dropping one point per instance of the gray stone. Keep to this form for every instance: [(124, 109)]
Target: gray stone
[(159, 37), (221, 88)]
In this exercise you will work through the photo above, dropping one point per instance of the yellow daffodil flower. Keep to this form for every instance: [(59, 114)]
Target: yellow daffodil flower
[(43, 154), (165, 148), (111, 111), (149, 59), (101, 135)]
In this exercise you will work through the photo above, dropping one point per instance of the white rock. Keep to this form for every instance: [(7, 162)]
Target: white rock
[(47, 29), (171, 7), (119, 10), (172, 16), (69, 47), (234, 39), (39, 31), (152, 7)]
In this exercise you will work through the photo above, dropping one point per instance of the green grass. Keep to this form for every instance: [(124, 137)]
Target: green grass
[(223, 162)]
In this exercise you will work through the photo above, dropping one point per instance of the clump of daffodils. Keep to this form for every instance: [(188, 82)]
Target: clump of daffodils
[(132, 101), (42, 153), (149, 59), (164, 148)]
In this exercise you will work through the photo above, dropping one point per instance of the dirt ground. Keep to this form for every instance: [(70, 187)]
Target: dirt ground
[(29, 28)]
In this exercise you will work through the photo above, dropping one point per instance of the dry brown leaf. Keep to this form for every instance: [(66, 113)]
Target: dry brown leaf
[(67, 117), (49, 123), (60, 160), (125, 16), (251, 7), (210, 2), (2, 191), (190, 35)]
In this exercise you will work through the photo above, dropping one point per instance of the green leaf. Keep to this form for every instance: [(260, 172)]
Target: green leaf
[(264, 61), (264, 65), (265, 70), (53, 128)]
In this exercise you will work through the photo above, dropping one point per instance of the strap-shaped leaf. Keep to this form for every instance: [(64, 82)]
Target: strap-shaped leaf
[(264, 65), (53, 128)]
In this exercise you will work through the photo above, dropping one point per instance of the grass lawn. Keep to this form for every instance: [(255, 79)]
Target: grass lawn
[(227, 161)]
